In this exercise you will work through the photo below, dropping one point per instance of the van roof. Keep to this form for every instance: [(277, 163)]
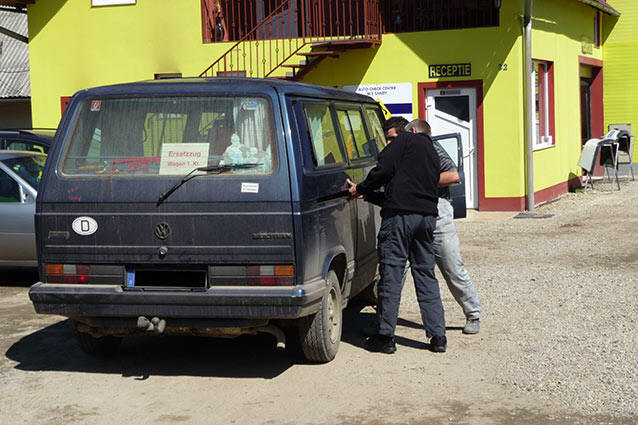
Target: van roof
[(197, 85)]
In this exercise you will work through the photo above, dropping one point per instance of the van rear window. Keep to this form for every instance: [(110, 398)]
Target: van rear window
[(170, 136)]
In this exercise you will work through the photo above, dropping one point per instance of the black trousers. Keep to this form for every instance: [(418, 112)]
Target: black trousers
[(405, 237)]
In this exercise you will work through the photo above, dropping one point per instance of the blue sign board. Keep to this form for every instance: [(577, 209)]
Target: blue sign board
[(450, 70)]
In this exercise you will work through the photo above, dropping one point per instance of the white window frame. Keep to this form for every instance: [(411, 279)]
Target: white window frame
[(545, 139)]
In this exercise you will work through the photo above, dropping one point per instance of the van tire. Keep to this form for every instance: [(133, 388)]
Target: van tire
[(105, 346), (320, 333)]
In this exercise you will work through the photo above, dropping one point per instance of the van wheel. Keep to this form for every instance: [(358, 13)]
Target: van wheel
[(320, 333), (102, 347)]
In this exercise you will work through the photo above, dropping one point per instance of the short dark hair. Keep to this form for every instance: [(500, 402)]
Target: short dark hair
[(421, 126), (398, 123)]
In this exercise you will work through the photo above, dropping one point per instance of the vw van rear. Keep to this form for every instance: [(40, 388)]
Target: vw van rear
[(208, 207)]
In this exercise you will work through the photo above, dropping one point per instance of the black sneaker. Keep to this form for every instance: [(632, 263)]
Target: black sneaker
[(380, 344), (438, 343)]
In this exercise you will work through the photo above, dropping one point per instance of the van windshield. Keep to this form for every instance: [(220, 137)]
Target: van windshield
[(170, 136)]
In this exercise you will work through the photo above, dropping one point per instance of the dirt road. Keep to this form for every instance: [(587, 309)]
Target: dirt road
[(557, 345)]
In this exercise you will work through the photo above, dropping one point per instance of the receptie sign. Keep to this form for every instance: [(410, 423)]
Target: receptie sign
[(450, 70)]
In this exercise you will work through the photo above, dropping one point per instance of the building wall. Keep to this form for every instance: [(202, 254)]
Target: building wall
[(560, 31), (621, 63), (563, 31), (74, 46)]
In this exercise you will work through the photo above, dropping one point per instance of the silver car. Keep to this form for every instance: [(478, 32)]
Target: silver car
[(20, 174)]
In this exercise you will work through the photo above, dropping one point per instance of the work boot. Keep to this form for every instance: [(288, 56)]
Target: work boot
[(380, 344), (472, 326)]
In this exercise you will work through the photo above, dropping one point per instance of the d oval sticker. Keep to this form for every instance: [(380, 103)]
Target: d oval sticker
[(84, 226)]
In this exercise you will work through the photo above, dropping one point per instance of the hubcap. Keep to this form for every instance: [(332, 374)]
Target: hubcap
[(333, 316)]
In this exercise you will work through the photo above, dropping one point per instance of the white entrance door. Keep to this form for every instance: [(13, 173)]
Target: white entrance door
[(453, 110)]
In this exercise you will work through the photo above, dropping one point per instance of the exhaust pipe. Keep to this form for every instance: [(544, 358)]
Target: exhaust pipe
[(277, 333), (156, 324)]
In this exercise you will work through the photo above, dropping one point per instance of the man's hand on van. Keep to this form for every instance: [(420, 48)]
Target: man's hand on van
[(352, 188)]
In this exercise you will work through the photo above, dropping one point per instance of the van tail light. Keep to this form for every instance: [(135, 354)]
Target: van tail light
[(277, 275), (68, 273), (84, 273)]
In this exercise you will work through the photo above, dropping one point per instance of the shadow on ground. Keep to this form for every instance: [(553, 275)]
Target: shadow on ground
[(18, 277), (54, 348), (356, 320)]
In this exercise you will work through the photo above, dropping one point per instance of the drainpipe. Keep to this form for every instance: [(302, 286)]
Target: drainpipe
[(529, 103)]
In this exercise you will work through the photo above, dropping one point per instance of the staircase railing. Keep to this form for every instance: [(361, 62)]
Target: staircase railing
[(286, 31)]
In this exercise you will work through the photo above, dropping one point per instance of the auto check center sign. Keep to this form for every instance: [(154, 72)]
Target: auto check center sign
[(395, 97)]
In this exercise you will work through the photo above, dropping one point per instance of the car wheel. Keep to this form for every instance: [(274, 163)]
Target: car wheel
[(320, 333), (103, 346)]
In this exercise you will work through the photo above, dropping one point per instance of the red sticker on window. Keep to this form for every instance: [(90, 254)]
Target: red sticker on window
[(96, 105)]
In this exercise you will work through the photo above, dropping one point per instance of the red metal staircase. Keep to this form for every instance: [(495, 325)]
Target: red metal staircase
[(297, 35)]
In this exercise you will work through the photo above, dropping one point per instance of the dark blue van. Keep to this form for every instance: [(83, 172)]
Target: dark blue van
[(208, 207)]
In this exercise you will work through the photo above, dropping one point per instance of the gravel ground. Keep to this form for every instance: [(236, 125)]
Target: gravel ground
[(557, 345), (564, 291)]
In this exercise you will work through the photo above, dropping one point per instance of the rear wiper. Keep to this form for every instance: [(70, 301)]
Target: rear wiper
[(215, 169)]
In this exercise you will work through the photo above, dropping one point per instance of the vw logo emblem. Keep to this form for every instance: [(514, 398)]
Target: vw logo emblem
[(162, 231)]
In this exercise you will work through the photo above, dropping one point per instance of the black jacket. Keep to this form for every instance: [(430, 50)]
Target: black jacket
[(409, 169)]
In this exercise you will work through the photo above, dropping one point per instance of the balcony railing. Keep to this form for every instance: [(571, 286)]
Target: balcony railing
[(291, 27)]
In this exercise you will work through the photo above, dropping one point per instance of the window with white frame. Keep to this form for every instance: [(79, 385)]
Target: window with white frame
[(543, 79)]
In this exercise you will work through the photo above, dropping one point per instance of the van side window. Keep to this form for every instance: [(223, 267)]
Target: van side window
[(325, 144), (353, 133), (376, 129)]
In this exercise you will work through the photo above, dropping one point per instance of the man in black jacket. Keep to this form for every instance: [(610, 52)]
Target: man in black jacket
[(409, 169)]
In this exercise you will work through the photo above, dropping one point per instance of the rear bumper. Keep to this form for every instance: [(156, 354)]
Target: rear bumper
[(219, 302)]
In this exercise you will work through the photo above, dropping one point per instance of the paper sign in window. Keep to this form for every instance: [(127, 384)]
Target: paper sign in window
[(182, 158)]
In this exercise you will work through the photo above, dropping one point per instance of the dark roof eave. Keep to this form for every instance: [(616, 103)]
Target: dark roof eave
[(601, 5), (21, 3)]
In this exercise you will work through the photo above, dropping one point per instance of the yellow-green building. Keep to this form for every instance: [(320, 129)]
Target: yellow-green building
[(460, 64), (620, 57)]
